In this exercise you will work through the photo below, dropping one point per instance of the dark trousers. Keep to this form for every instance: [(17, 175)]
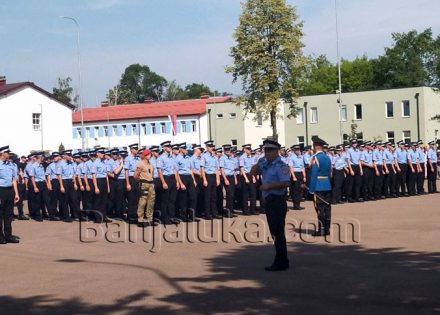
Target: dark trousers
[(276, 209), (230, 189), (36, 200), (322, 202), (89, 196), (100, 200), (338, 183), (421, 179), (354, 188), (22, 195), (390, 182), (248, 194), (210, 195), (412, 180), (117, 194), (111, 200), (401, 179), (69, 201), (432, 178), (132, 199), (6, 211), (157, 190), (168, 198), (368, 183), (54, 197), (378, 183), (187, 198), (200, 199), (295, 189), (220, 196)]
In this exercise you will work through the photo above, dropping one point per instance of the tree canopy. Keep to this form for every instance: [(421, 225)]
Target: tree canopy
[(64, 92)]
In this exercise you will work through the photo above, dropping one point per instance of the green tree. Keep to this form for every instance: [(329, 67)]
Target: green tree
[(174, 92), (268, 50), (118, 95), (318, 76), (195, 90), (357, 75), (64, 92), (138, 82)]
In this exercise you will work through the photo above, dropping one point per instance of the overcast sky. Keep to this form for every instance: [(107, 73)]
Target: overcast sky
[(185, 40)]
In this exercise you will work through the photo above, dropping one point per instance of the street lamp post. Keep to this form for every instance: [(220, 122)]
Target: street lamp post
[(79, 79), (339, 73)]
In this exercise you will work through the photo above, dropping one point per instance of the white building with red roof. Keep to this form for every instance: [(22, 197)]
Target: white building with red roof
[(32, 118), (148, 123)]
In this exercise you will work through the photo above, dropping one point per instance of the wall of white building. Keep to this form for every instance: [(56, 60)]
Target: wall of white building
[(146, 132), (16, 125)]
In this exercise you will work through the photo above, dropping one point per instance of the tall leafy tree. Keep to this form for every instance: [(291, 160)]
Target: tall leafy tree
[(64, 92), (319, 76), (357, 75), (174, 92), (268, 50), (195, 90)]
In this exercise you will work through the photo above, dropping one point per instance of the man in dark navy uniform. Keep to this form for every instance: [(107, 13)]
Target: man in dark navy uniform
[(275, 176)]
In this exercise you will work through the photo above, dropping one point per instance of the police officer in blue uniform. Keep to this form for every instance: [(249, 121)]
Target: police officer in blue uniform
[(340, 171), (402, 168), (8, 196), (219, 190), (320, 187), (167, 170), (389, 186), (228, 168), (413, 169), (156, 180), (66, 173), (298, 176), (275, 175), (432, 168), (368, 171), (209, 169), (132, 186), (422, 165), (21, 188), (117, 184), (248, 182), (354, 189), (100, 182), (187, 193), (379, 161), (196, 160), (37, 185)]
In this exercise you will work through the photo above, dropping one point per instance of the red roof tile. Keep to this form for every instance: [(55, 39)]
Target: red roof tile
[(8, 88), (145, 110)]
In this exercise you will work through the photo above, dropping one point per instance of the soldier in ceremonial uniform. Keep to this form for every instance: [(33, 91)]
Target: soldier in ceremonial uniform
[(275, 175), (8, 196), (432, 168), (144, 174), (320, 186), (209, 169)]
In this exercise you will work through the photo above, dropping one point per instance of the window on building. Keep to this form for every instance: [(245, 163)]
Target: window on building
[(343, 113), (232, 115), (389, 110), (313, 115), (405, 108), (219, 116), (234, 142), (300, 116), (97, 131), (183, 126), (153, 129), (193, 126), (357, 111), (134, 130), (406, 135), (162, 128), (259, 119), (300, 140), (105, 131), (390, 136), (144, 129), (79, 132), (36, 121), (124, 130)]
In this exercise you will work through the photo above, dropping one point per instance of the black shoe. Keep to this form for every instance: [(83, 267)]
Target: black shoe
[(2, 241), (54, 219), (277, 267), (246, 214), (217, 217), (166, 222), (298, 208), (22, 218), (12, 240), (68, 220), (38, 219), (208, 217), (360, 200), (175, 221), (193, 220), (254, 213), (107, 220)]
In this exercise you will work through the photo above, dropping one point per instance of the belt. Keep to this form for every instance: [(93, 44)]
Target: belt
[(5, 188), (146, 181), (322, 177)]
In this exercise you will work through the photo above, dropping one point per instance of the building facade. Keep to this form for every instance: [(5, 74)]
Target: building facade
[(33, 119)]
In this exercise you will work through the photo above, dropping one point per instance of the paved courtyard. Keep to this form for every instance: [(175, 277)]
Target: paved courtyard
[(383, 258)]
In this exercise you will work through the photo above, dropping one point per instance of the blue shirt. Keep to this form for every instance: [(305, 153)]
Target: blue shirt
[(355, 155), (130, 164), (27, 169), (285, 159), (7, 173), (99, 168), (296, 162), (153, 162), (413, 156), (402, 156), (432, 155), (114, 166), (272, 172), (367, 157), (37, 171), (51, 170), (389, 156), (246, 161), (209, 163), (88, 166), (378, 156), (340, 161), (307, 159), (421, 155), (183, 163), (229, 165), (166, 163), (195, 162), (66, 169)]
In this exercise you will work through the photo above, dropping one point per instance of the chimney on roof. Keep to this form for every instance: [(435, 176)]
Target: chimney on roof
[(148, 100), (2, 80), (104, 103), (204, 96)]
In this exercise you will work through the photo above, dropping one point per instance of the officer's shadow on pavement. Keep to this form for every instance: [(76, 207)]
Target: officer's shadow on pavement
[(343, 279)]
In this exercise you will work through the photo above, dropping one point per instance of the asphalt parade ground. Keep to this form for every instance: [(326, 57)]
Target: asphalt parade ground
[(383, 258)]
